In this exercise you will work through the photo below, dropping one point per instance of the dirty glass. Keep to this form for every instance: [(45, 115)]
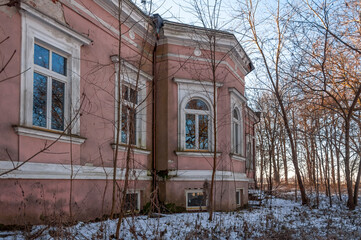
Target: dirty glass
[(196, 104), (41, 56), (124, 124), (57, 105), (190, 131), (39, 100), (195, 199), (131, 202), (58, 64), (203, 131)]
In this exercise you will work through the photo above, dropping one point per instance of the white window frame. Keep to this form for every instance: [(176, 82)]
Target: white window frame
[(133, 191), (192, 89), (43, 30), (198, 207), (51, 75), (240, 191), (197, 113), (237, 137), (128, 78), (238, 101)]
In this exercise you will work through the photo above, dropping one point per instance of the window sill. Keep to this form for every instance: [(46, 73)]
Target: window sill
[(48, 135), (237, 157), (135, 149), (197, 154)]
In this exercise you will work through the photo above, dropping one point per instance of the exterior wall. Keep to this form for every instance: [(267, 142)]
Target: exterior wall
[(40, 187)]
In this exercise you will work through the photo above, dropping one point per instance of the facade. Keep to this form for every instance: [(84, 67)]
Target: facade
[(67, 86)]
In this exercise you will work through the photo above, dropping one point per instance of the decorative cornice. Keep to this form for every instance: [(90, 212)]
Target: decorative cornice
[(53, 23), (189, 81), (237, 94)]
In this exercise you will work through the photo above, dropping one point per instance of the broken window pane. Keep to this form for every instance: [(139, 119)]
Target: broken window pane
[(39, 100)]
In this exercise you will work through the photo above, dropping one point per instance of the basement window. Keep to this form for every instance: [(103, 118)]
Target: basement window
[(196, 200)]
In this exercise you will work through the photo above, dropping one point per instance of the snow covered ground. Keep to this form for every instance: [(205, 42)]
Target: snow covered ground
[(276, 219)]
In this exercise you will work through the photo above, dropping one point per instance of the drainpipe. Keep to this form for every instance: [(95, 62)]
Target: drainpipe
[(158, 24)]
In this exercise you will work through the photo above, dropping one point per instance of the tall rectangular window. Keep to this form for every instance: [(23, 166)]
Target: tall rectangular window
[(129, 116), (49, 88)]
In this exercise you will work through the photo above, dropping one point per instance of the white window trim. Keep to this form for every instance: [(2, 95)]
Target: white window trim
[(37, 27), (129, 78), (241, 196), (198, 207), (237, 101), (192, 89)]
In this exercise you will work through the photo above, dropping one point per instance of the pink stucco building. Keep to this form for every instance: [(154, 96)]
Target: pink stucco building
[(65, 85)]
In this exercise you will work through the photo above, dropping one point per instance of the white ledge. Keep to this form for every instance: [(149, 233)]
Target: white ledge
[(134, 149), (196, 82), (31, 170), (237, 157), (47, 135), (201, 175), (60, 26), (197, 154)]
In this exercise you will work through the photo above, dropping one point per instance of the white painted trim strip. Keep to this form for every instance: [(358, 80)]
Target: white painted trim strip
[(238, 158), (79, 37), (134, 149), (202, 175), (189, 81), (63, 171), (197, 154), (37, 133)]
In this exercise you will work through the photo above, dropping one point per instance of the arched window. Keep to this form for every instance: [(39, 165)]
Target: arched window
[(196, 125), (237, 131)]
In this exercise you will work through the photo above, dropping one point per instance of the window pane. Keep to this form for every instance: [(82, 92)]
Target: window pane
[(203, 131), (190, 131), (235, 114), (132, 127), (41, 56), (133, 96), (125, 90), (124, 124), (238, 198), (39, 100), (57, 105), (196, 199), (131, 202), (236, 138), (58, 64), (196, 104)]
